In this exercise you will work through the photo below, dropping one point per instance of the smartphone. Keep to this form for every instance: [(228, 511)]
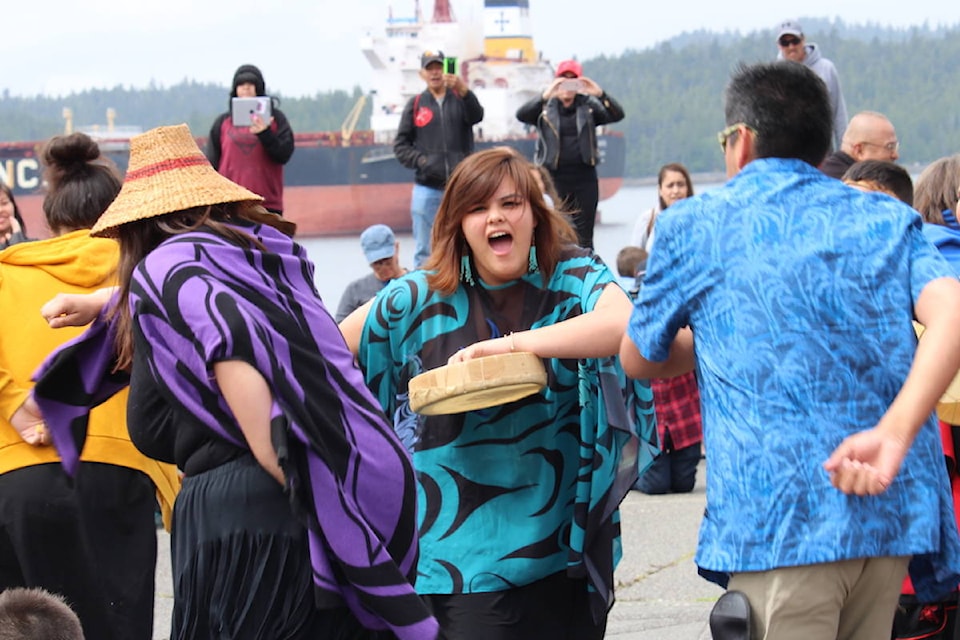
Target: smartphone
[(242, 110), (572, 84), (450, 65)]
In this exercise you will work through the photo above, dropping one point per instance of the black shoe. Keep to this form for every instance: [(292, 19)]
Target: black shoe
[(730, 617)]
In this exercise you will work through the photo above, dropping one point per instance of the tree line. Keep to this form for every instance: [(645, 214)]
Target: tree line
[(672, 94)]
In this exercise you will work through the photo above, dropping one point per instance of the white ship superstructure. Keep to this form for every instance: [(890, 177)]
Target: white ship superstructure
[(496, 58)]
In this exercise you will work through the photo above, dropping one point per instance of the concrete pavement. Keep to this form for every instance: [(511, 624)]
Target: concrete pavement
[(659, 594)]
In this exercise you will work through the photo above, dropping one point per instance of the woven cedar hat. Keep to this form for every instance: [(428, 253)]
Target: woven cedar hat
[(167, 173)]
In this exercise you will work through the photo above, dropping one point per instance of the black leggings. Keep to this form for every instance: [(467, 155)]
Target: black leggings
[(579, 194)]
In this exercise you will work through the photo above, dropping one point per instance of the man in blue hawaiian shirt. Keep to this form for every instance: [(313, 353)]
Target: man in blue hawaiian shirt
[(793, 295)]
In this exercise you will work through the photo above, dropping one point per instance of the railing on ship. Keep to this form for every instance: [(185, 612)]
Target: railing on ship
[(363, 138), (317, 139), (333, 139)]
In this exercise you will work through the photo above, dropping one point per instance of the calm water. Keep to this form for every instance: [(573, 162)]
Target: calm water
[(340, 260)]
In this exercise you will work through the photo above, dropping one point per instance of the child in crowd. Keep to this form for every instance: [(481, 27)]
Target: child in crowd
[(37, 614), (631, 265)]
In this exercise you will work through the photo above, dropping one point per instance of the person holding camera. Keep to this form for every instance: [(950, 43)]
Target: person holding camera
[(566, 116), (252, 156), (435, 134)]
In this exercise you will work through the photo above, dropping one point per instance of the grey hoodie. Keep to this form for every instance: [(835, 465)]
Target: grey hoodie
[(828, 73)]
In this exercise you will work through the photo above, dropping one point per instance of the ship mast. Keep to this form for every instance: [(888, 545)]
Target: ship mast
[(442, 11)]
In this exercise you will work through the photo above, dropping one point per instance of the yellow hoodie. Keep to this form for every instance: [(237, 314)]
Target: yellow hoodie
[(31, 274)]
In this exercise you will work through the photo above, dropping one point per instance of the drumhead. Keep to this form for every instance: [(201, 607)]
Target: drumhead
[(948, 407), (477, 384)]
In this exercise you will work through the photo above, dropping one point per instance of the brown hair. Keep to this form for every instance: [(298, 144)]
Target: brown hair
[(678, 168), (629, 260), (138, 238), (549, 187), (475, 180), (936, 189), (37, 614), (81, 183)]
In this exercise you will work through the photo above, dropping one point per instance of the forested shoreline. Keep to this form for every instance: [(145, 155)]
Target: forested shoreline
[(672, 94)]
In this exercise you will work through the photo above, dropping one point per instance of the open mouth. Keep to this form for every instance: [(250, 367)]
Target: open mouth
[(500, 242)]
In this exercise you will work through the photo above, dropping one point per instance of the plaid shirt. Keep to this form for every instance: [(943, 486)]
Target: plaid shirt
[(677, 404)]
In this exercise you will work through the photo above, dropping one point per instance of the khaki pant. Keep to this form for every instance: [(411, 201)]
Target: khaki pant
[(846, 600)]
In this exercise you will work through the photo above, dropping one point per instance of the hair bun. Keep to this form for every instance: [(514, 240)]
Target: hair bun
[(67, 156)]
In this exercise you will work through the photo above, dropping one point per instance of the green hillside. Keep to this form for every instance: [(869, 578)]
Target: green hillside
[(672, 94)]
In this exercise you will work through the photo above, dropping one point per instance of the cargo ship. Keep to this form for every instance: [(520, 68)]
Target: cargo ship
[(340, 182)]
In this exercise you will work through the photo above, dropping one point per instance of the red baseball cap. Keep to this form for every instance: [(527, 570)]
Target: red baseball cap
[(570, 66)]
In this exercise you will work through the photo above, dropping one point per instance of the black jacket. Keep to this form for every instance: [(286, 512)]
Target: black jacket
[(433, 140), (836, 164), (591, 112)]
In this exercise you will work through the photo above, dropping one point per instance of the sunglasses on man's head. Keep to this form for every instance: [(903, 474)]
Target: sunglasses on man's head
[(789, 41), (724, 136)]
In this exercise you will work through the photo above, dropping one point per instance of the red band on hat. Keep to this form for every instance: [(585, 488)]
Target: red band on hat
[(166, 165)]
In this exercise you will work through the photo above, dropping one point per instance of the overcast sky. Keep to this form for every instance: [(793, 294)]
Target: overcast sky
[(305, 46)]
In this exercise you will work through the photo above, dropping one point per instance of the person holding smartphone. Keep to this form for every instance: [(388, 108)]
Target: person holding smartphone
[(252, 156), (435, 134), (566, 116)]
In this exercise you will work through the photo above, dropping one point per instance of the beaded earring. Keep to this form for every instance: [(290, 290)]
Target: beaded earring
[(534, 266), (466, 273)]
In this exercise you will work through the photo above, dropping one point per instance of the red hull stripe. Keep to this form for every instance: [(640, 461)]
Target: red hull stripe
[(166, 165)]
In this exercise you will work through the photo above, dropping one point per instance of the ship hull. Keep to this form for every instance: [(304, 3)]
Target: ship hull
[(328, 190)]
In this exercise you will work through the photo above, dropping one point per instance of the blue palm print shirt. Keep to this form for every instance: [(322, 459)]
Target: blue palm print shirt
[(512, 494), (800, 294)]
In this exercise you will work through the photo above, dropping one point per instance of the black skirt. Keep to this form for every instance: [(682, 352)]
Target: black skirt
[(241, 565)]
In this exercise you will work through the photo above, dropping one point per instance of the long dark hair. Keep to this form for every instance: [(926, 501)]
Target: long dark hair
[(677, 168), (138, 238), (16, 210), (476, 179)]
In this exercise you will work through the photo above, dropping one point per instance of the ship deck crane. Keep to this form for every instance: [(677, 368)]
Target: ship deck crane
[(350, 122)]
